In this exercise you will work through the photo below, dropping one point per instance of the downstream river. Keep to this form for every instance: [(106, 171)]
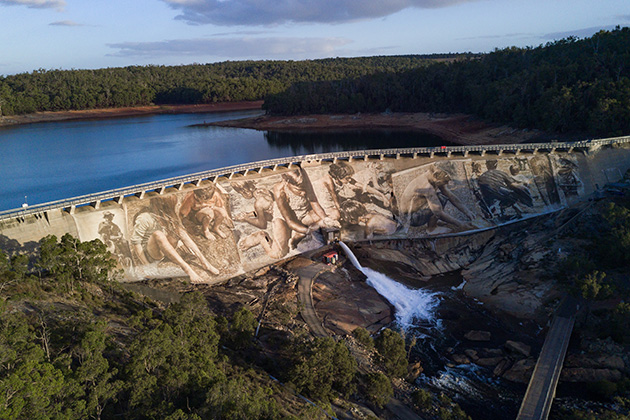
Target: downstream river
[(52, 161)]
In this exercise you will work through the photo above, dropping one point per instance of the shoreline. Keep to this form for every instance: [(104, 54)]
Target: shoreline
[(106, 113), (461, 129)]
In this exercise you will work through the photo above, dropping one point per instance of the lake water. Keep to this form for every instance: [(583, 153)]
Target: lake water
[(53, 161)]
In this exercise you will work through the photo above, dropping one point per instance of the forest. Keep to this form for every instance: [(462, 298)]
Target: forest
[(76, 344), (570, 85), (567, 86), (62, 90)]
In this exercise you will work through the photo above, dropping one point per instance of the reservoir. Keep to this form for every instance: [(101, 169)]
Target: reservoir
[(52, 161)]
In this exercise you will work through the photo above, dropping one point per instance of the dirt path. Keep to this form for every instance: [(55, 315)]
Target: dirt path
[(307, 276)]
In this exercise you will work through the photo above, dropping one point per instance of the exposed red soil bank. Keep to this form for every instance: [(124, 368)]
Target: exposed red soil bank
[(454, 128), (127, 112)]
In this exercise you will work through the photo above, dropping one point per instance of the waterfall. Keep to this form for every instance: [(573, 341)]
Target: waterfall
[(410, 304)]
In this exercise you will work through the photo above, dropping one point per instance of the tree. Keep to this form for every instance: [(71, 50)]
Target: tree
[(321, 366), (30, 385), (391, 347), (174, 358), (363, 337), (242, 327), (592, 286), (378, 389), (93, 374), (71, 261), (422, 398), (240, 399)]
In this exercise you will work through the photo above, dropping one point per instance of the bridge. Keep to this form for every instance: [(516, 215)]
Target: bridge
[(542, 386), (230, 172)]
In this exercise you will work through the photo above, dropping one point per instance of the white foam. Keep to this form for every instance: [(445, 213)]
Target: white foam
[(410, 304)]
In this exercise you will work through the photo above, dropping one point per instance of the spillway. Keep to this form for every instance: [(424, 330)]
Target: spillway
[(411, 305)]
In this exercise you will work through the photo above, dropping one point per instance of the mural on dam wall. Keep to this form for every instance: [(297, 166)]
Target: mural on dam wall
[(185, 234), (216, 231), (356, 198), (276, 216)]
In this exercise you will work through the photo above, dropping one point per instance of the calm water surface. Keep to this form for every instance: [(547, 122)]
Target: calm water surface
[(53, 161)]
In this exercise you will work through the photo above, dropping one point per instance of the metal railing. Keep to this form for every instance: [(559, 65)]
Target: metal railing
[(229, 170)]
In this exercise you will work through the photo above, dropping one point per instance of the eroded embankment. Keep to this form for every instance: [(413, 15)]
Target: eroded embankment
[(453, 128)]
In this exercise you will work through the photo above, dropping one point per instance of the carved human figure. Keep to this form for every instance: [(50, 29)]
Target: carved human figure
[(498, 187), (205, 208), (158, 235), (544, 179), (364, 203), (423, 199), (113, 238), (292, 209)]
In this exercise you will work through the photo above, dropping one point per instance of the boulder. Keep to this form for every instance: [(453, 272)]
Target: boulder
[(472, 354), (518, 348), (501, 367), (493, 352), (460, 359), (476, 335), (489, 361), (415, 369), (521, 371), (590, 375)]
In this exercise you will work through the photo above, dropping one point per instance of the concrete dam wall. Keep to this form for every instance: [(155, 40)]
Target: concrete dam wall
[(212, 227)]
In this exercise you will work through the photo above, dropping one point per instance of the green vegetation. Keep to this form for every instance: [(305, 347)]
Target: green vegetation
[(75, 344), (363, 337), (378, 389), (321, 367), (597, 270), (61, 90), (391, 348), (569, 85), (422, 398)]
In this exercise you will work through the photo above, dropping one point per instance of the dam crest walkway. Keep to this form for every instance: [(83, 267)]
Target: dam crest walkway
[(229, 172)]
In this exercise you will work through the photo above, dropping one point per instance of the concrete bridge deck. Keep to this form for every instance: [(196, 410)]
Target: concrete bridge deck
[(229, 172), (542, 386)]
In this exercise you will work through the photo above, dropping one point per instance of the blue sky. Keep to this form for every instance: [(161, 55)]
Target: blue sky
[(86, 34)]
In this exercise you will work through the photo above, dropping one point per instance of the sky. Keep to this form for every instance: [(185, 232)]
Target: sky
[(90, 34)]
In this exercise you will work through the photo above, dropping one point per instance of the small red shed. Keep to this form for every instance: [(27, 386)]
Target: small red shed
[(331, 257)]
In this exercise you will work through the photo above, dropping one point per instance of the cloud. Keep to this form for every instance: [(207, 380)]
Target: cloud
[(502, 36), (241, 33), (230, 47), (271, 12), (36, 4), (580, 33), (65, 23)]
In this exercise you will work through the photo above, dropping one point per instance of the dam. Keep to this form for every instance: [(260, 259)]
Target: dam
[(214, 225)]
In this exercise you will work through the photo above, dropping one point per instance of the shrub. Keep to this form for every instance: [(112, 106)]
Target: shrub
[(363, 337), (321, 366), (422, 398), (379, 389), (391, 347)]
